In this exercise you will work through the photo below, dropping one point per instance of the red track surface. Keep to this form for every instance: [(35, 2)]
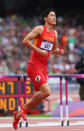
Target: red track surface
[(47, 128)]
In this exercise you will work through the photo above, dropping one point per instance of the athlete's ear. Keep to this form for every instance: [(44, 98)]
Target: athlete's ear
[(45, 18)]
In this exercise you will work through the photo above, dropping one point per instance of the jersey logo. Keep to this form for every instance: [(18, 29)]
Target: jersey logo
[(37, 78)]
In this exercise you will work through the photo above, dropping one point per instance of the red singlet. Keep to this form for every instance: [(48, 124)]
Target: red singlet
[(37, 67)]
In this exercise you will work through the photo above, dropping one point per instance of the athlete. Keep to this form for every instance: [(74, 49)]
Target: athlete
[(45, 41)]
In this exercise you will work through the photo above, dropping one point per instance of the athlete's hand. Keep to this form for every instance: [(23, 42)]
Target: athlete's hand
[(43, 53), (61, 52), (58, 51)]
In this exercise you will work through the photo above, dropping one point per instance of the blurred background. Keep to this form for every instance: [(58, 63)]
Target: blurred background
[(18, 17)]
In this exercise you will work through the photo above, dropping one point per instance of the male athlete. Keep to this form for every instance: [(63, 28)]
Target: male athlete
[(44, 42)]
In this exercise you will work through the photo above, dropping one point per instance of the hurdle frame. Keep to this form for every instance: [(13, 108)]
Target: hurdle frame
[(66, 76)]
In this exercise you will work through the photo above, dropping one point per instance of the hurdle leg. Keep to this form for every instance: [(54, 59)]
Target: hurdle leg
[(19, 96), (25, 96), (67, 107), (61, 104)]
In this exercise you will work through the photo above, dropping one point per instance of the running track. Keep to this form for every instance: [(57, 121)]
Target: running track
[(41, 128)]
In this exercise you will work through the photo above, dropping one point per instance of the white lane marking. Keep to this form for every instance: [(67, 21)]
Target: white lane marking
[(42, 124), (33, 125)]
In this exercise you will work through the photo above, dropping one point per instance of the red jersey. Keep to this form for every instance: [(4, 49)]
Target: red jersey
[(45, 42)]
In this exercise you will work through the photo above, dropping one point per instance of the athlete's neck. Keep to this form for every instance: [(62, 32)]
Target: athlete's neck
[(48, 27)]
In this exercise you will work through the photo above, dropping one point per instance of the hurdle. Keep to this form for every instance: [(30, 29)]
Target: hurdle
[(18, 76), (19, 96), (66, 76), (61, 123)]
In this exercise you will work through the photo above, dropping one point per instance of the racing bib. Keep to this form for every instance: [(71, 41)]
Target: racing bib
[(46, 45)]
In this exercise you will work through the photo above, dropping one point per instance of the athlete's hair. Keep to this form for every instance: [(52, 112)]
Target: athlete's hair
[(46, 13)]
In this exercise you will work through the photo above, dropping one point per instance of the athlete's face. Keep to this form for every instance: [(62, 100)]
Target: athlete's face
[(51, 18)]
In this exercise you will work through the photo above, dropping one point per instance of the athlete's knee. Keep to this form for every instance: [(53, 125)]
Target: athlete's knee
[(45, 89), (48, 93)]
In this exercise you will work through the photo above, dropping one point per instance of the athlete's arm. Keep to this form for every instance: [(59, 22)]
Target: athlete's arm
[(33, 34), (55, 49)]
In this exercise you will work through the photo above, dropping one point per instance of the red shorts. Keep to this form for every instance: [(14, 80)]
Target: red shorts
[(38, 75)]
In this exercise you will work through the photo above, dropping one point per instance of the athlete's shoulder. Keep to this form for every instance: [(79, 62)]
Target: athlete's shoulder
[(38, 29), (56, 33)]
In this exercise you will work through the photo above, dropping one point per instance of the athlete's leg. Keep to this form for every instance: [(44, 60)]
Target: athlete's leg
[(38, 79), (44, 91)]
